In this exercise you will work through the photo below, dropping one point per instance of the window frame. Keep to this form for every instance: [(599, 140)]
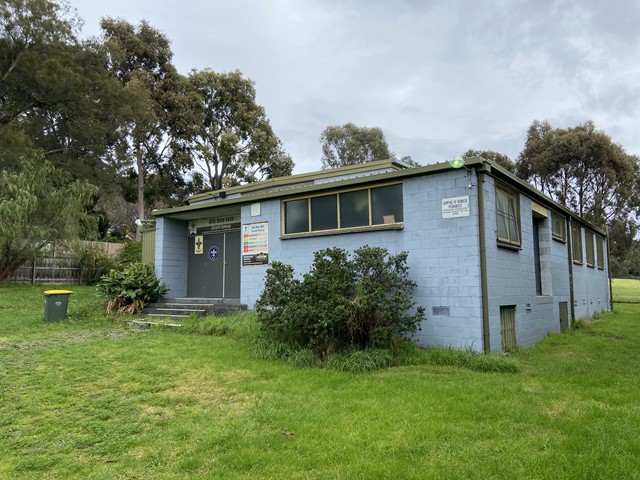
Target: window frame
[(576, 244), (397, 225), (600, 252), (513, 195), (562, 235), (590, 248)]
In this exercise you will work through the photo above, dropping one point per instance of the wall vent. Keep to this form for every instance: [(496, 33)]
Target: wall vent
[(440, 311)]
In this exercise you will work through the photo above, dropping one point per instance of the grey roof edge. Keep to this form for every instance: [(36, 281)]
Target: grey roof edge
[(380, 177), (489, 166), (302, 177)]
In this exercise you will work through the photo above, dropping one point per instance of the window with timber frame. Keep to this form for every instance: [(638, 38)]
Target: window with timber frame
[(346, 210), (558, 226), (507, 217), (576, 243), (591, 253), (600, 250)]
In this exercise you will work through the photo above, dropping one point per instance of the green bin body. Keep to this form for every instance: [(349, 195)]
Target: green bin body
[(55, 305)]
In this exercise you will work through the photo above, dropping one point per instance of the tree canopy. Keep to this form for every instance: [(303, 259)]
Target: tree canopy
[(500, 158), (230, 137), (583, 169), (349, 144)]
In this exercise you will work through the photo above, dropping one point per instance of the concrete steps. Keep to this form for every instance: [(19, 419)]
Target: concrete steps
[(180, 308)]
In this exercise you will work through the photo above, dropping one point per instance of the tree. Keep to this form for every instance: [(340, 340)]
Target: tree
[(584, 170), (39, 206), (55, 94), (500, 158), (349, 144), (231, 139), (140, 59)]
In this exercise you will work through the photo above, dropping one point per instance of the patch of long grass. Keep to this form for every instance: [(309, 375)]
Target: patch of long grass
[(241, 326), (467, 358)]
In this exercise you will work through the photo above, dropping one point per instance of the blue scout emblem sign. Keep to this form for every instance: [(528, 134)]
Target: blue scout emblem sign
[(213, 253)]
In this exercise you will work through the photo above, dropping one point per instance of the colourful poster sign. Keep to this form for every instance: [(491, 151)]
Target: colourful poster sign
[(255, 244)]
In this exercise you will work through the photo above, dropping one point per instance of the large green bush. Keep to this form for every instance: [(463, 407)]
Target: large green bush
[(93, 263), (341, 303), (129, 287)]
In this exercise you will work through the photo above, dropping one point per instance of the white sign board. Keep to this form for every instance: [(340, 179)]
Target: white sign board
[(455, 207)]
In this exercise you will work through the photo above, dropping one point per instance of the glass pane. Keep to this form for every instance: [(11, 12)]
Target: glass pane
[(324, 212), (514, 232), (386, 204), (501, 217), (296, 216), (354, 209)]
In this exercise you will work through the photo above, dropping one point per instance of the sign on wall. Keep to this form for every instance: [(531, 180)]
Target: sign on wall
[(213, 224), (198, 245), (455, 207), (255, 244)]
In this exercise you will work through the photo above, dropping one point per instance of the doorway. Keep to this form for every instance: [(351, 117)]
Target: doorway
[(214, 265)]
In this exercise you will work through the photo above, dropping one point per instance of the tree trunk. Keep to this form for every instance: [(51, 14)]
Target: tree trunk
[(140, 191)]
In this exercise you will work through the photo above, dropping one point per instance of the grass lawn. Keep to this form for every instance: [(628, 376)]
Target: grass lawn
[(626, 290), (89, 398)]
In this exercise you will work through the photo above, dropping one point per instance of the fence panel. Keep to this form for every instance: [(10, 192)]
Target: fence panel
[(60, 265)]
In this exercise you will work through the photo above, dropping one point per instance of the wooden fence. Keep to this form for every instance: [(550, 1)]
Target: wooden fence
[(59, 265)]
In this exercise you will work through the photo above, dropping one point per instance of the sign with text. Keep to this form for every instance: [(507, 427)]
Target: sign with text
[(255, 244), (455, 207), (214, 224)]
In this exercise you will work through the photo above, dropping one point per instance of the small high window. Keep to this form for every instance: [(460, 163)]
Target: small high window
[(600, 250), (576, 243), (591, 254), (558, 226), (507, 217)]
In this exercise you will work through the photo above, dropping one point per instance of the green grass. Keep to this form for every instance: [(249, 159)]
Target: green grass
[(626, 290), (90, 398)]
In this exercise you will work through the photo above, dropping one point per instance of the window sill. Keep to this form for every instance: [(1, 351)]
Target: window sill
[(578, 262), (342, 231), (507, 246), (558, 239)]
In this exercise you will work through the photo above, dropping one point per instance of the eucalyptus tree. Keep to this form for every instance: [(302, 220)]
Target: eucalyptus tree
[(139, 57), (349, 144), (230, 138), (583, 169), (500, 158)]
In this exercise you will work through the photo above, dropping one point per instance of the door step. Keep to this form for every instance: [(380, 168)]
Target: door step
[(186, 307)]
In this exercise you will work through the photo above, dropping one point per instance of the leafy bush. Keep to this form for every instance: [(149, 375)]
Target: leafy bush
[(132, 253), (130, 287), (93, 264), (340, 303)]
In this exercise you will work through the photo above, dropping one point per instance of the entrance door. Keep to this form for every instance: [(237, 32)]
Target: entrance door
[(214, 273)]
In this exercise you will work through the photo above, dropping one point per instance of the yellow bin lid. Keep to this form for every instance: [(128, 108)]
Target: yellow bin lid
[(58, 292)]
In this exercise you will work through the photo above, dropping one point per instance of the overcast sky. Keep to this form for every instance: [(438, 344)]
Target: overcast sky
[(439, 77)]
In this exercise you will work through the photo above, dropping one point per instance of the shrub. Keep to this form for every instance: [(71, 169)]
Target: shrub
[(93, 264), (340, 303), (132, 253), (130, 287)]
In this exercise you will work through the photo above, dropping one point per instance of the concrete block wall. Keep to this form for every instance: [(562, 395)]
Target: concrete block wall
[(443, 258), (590, 285), (171, 255), (511, 276)]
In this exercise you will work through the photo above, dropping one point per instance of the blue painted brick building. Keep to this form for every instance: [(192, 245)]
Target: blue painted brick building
[(497, 264)]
